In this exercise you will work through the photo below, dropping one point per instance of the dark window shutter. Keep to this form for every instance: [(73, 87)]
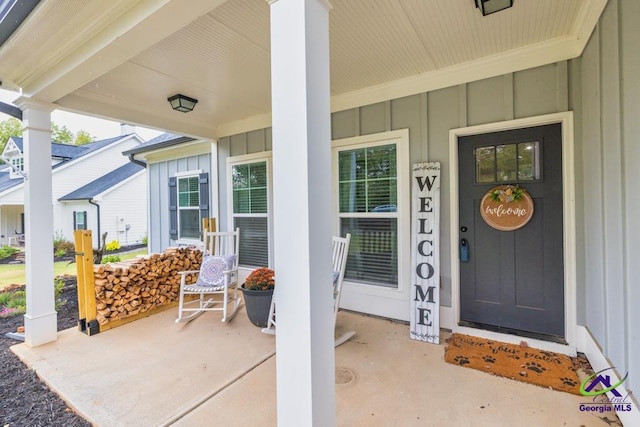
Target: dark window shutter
[(84, 220), (173, 208), (203, 179), (74, 221)]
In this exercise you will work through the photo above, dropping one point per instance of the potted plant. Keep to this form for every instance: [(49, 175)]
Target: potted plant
[(258, 291)]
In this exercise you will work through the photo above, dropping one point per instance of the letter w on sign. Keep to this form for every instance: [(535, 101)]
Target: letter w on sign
[(425, 253)]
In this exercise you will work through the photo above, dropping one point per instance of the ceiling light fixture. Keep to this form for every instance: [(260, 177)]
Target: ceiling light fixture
[(182, 103), (488, 7)]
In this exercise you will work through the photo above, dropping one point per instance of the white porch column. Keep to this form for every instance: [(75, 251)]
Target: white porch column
[(40, 321), (302, 211)]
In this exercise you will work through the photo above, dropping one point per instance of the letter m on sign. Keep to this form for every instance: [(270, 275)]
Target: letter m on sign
[(425, 253)]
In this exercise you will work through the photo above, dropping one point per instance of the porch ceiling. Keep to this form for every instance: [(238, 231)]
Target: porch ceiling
[(121, 59)]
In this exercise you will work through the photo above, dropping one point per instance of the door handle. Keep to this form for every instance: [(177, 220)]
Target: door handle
[(464, 250)]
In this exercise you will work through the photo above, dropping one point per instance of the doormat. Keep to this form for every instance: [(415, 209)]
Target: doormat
[(518, 362)]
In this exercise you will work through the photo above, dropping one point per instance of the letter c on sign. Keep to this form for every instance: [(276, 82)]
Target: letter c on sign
[(421, 250)]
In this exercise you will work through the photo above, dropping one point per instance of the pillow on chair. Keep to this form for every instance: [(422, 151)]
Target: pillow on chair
[(213, 268)]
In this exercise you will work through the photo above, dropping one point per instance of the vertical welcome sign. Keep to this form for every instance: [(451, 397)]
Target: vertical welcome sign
[(425, 253)]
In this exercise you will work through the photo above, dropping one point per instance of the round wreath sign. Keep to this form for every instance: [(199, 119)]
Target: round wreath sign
[(507, 207)]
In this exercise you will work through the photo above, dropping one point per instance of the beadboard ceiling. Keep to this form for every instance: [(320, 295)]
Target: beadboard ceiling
[(121, 59)]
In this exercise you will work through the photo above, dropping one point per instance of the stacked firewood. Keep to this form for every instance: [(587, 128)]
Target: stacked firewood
[(128, 288)]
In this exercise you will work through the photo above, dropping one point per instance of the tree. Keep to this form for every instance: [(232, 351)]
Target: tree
[(13, 127), (8, 128), (83, 137), (61, 135)]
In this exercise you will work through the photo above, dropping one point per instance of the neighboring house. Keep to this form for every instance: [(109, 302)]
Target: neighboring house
[(94, 187)]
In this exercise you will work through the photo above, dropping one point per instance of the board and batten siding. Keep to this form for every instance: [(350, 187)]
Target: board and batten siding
[(429, 117), (608, 170), (158, 175)]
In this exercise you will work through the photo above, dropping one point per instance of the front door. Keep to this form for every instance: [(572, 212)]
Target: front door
[(513, 281)]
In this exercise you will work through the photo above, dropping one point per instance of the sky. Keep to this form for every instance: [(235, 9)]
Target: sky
[(99, 128)]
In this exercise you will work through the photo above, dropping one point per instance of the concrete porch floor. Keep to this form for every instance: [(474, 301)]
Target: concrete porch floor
[(154, 372)]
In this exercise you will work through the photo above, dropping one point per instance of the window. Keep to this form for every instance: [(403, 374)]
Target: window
[(17, 166), (508, 162), (368, 209), (188, 208), (188, 204), (250, 201), (80, 220), (18, 163)]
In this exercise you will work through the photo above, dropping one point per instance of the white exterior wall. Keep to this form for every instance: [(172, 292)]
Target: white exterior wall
[(14, 196), (10, 222), (127, 200), (63, 213), (73, 176)]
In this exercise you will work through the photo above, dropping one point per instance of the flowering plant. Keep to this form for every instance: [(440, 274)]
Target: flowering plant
[(508, 194), (260, 279)]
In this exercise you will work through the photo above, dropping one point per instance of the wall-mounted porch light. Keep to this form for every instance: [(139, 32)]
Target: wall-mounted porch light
[(182, 103), (491, 6)]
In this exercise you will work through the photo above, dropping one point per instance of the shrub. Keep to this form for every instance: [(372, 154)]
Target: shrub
[(58, 288), (113, 245), (62, 247), (144, 240), (7, 251), (13, 302), (110, 258)]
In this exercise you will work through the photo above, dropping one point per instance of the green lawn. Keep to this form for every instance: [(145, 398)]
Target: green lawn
[(14, 273)]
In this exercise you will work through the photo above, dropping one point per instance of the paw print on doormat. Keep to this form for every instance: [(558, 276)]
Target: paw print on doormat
[(535, 367), (568, 381), (488, 359), (461, 360)]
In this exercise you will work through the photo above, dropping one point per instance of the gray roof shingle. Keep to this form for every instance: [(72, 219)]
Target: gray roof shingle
[(66, 152), (103, 183)]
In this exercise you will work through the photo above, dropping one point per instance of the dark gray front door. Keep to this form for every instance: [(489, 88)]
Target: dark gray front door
[(513, 281)]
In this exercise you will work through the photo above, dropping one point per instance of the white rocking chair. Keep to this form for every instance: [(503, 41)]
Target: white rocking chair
[(339, 262), (218, 275)]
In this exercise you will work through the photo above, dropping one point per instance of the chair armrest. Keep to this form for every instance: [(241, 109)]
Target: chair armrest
[(184, 273)]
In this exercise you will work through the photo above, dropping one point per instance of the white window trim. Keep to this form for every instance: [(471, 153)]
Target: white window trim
[(401, 139), (181, 175), (84, 220), (263, 156)]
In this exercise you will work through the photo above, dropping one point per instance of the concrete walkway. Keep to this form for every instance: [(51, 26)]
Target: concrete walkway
[(155, 372)]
